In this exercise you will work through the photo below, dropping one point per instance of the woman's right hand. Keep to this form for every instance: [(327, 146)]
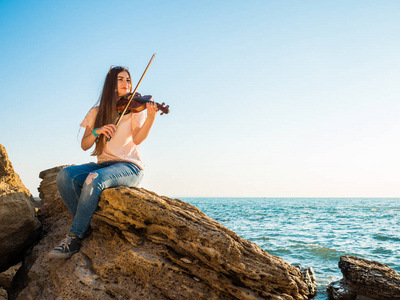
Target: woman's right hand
[(108, 130)]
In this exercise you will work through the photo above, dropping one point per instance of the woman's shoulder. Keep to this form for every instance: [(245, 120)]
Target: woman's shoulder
[(92, 112), (94, 109), (90, 117)]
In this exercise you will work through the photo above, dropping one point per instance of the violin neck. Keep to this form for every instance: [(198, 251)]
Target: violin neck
[(144, 100)]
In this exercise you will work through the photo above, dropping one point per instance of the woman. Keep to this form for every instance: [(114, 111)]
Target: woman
[(118, 160)]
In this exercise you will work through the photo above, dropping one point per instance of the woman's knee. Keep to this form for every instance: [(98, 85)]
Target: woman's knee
[(91, 176), (94, 182), (63, 176)]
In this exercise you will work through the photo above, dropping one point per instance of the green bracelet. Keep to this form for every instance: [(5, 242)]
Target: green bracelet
[(94, 132)]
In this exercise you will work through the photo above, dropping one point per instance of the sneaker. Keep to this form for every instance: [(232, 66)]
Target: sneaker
[(68, 247)]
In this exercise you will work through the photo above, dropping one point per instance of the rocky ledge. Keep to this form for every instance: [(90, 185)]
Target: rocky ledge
[(365, 280), (153, 247)]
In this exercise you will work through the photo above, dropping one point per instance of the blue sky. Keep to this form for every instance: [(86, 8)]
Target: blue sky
[(267, 98)]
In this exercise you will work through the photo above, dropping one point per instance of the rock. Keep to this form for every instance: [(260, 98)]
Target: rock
[(8, 178), (7, 276), (5, 281), (48, 187), (338, 290), (365, 280), (146, 246), (3, 294), (309, 279), (20, 226)]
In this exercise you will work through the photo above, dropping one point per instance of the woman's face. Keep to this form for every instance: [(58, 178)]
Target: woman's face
[(124, 84)]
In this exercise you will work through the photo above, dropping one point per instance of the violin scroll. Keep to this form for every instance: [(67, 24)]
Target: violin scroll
[(163, 108)]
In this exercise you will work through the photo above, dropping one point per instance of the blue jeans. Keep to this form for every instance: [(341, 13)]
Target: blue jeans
[(80, 187)]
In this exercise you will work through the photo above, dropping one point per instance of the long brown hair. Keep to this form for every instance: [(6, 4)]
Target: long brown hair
[(107, 105)]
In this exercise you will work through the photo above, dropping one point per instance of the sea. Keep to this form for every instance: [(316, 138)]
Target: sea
[(314, 232)]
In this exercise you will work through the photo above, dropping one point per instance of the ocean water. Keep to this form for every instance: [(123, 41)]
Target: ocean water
[(314, 232)]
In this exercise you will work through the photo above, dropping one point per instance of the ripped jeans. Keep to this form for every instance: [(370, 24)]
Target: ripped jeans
[(80, 187)]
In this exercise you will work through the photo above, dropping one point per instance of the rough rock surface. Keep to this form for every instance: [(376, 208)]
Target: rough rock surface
[(152, 247), (3, 294), (309, 279), (7, 276), (20, 226), (48, 187), (365, 279), (5, 281)]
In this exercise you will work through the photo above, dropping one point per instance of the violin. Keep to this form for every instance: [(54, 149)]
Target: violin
[(138, 104)]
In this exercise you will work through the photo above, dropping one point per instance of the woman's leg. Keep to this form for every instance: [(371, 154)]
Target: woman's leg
[(70, 181), (111, 174)]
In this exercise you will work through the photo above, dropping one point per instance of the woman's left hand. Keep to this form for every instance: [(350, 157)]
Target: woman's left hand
[(151, 109)]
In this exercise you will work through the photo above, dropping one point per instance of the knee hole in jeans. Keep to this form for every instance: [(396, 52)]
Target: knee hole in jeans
[(90, 177)]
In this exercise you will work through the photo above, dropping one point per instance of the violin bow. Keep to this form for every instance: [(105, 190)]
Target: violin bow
[(133, 93)]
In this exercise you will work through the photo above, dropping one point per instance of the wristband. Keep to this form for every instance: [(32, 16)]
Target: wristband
[(94, 132)]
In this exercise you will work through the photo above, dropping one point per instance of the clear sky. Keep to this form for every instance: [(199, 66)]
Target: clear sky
[(268, 98)]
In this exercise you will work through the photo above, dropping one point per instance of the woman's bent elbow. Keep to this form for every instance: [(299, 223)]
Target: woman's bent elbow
[(137, 141), (84, 147)]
